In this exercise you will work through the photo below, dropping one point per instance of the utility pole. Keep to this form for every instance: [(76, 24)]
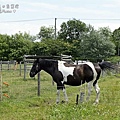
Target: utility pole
[(55, 28)]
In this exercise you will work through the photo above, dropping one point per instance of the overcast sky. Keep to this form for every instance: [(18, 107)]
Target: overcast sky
[(15, 13)]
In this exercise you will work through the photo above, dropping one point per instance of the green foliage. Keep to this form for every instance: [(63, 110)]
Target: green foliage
[(18, 48), (46, 33), (114, 59), (116, 35), (105, 32), (4, 46), (96, 45), (51, 47), (39, 48), (87, 43), (74, 38), (116, 39), (72, 30), (15, 46)]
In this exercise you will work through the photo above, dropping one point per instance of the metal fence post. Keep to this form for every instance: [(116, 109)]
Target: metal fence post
[(0, 85), (39, 84)]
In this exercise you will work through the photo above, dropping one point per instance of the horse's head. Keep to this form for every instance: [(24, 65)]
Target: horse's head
[(35, 68)]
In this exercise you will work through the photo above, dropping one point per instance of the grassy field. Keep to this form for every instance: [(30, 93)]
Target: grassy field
[(24, 104)]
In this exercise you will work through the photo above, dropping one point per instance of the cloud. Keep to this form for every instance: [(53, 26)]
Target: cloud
[(44, 5), (7, 1), (89, 13), (109, 5), (112, 26), (12, 28), (37, 6), (79, 9)]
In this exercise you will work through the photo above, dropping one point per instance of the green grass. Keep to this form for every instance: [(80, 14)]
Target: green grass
[(24, 104)]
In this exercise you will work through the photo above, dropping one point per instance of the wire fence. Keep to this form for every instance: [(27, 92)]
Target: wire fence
[(13, 76), (8, 65), (14, 87)]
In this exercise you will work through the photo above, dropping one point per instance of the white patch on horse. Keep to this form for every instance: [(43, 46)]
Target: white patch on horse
[(65, 70)]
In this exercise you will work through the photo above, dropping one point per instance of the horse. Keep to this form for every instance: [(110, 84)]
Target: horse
[(71, 74)]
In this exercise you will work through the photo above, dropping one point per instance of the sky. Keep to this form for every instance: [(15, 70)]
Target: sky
[(29, 15)]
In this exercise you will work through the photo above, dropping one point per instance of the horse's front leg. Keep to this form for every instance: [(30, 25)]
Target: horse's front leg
[(65, 94), (58, 96), (59, 87)]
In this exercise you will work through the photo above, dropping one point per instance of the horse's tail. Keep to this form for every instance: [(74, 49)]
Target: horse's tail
[(106, 65)]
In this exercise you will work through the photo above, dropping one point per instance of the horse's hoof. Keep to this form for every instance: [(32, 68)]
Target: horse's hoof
[(62, 101), (57, 102), (95, 103)]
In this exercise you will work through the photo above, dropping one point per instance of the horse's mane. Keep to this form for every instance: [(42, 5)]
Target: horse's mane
[(48, 62)]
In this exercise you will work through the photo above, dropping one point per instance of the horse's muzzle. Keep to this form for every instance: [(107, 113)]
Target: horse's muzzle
[(32, 74)]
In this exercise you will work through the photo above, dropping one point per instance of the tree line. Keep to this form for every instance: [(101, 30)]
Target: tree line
[(74, 38)]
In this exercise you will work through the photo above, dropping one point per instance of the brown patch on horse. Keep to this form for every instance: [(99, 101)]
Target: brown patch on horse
[(78, 72), (69, 65), (78, 76)]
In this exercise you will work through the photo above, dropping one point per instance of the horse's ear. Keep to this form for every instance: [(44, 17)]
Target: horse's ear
[(37, 60)]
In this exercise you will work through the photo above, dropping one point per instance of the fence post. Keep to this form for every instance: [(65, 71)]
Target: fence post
[(1, 65), (24, 68), (8, 64), (39, 84), (0, 85), (20, 68)]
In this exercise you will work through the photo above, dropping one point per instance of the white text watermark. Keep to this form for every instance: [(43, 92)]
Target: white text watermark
[(9, 8)]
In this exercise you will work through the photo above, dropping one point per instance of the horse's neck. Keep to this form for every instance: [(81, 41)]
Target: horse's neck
[(48, 70), (48, 67)]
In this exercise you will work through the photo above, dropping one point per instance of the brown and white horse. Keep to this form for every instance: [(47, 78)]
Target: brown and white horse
[(69, 74)]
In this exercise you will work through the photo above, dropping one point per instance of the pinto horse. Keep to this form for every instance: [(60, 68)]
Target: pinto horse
[(70, 74)]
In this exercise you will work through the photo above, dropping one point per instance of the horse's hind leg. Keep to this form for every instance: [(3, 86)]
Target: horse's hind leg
[(97, 89), (89, 90)]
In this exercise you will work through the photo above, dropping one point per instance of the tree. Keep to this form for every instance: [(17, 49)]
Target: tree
[(72, 30), (51, 47), (96, 45), (116, 39), (46, 33), (4, 47), (14, 47), (24, 36), (19, 46), (39, 48)]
